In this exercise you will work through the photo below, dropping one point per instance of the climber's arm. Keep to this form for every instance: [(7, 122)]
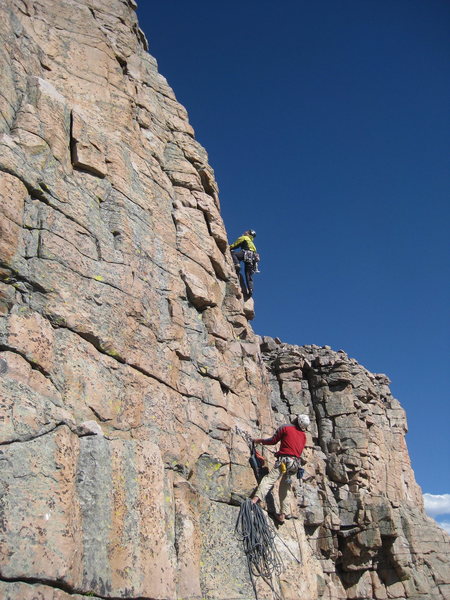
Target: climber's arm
[(238, 242), (270, 441)]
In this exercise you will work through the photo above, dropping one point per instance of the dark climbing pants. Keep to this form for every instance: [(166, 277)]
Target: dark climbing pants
[(246, 286)]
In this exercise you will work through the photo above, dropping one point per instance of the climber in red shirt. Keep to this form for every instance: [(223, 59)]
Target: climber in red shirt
[(292, 440)]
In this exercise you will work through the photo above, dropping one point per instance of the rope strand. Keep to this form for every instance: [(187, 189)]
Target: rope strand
[(258, 538)]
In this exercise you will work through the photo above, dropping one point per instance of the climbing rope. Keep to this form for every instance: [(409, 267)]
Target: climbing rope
[(258, 538)]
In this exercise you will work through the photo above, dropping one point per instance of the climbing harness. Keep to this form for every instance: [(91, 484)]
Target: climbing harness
[(290, 465), (252, 260), (258, 538)]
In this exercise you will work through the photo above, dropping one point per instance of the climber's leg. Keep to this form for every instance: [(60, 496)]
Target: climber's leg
[(283, 492), (237, 257), (249, 278), (267, 483)]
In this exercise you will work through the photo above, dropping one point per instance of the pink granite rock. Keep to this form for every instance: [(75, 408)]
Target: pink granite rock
[(129, 366)]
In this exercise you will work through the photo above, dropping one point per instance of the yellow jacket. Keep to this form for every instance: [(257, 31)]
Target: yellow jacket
[(245, 242)]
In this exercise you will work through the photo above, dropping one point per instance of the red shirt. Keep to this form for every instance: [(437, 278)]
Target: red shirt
[(292, 440)]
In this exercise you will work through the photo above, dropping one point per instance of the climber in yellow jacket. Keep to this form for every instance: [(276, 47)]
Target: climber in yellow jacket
[(244, 249)]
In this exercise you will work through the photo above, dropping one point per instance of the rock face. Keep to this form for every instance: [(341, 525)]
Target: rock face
[(127, 360), (360, 505)]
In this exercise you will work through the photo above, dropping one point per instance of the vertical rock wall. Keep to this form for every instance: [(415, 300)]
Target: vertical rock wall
[(127, 361), (129, 357)]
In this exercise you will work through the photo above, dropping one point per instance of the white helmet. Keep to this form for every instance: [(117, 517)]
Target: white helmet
[(303, 421)]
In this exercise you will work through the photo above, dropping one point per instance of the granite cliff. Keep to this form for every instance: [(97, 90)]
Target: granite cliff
[(127, 361)]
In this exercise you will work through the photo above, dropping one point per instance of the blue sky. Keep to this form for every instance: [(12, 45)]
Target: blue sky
[(327, 126)]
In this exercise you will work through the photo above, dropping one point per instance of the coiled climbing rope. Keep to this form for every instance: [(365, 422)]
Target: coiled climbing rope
[(258, 539)]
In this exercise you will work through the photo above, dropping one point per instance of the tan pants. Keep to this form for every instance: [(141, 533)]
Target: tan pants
[(269, 481)]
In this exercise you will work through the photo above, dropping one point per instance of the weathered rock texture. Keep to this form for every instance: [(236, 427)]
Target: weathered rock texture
[(360, 505), (127, 360)]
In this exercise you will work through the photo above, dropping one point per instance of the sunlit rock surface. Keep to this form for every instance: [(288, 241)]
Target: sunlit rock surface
[(128, 361), (360, 505)]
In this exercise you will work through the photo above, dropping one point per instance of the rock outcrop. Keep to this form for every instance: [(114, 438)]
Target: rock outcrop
[(127, 361), (361, 507)]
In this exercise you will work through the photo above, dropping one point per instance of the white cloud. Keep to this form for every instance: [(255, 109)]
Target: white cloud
[(437, 504), (445, 525)]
